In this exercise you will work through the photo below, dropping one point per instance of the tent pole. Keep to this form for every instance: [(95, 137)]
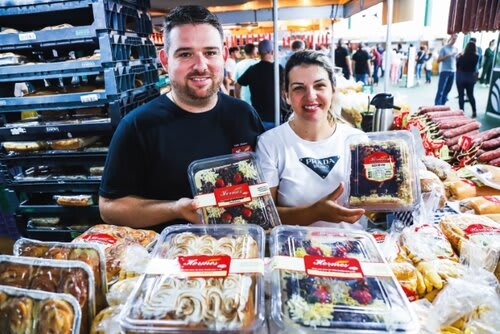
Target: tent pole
[(277, 93), (388, 42)]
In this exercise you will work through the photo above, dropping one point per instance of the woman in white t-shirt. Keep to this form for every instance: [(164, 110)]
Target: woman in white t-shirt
[(303, 159)]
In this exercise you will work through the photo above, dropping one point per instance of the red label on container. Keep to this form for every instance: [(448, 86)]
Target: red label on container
[(335, 267), (102, 238), (232, 195), (379, 237), (379, 167), (480, 228), (412, 295), (205, 265), (493, 199), (241, 148)]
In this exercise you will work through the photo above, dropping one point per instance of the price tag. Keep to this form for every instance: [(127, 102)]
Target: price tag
[(17, 131), (28, 36), (89, 98)]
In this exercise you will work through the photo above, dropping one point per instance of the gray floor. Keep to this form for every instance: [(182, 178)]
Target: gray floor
[(424, 95)]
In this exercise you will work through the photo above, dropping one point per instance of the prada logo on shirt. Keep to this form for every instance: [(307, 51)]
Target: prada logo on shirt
[(322, 167)]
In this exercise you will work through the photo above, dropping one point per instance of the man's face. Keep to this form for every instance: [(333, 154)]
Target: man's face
[(194, 61)]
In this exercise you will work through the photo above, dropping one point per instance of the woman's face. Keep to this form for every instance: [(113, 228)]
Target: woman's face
[(309, 92)]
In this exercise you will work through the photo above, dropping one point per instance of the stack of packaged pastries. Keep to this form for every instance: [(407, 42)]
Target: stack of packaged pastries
[(332, 281), (65, 277), (38, 312), (114, 241), (426, 248), (201, 279), (87, 253)]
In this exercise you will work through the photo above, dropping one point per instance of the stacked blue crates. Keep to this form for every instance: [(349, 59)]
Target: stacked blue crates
[(75, 56)]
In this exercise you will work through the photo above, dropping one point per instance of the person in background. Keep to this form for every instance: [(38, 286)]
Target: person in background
[(467, 76), (447, 68), (420, 59), (479, 54), (251, 58), (361, 65), (377, 62), (260, 79), (145, 181), (429, 63), (297, 45), (489, 53), (303, 159), (395, 58), (234, 55), (381, 51), (342, 59)]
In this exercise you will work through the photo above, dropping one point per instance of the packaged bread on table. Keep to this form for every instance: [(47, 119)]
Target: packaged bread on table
[(334, 281), (88, 253), (62, 276), (114, 240), (475, 238), (202, 279), (426, 242), (382, 169), (38, 312), (482, 205), (462, 189), (24, 146), (230, 189)]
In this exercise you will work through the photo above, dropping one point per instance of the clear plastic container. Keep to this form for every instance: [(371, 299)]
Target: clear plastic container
[(334, 281), (166, 301), (230, 189), (382, 169), (43, 312), (89, 253), (63, 276)]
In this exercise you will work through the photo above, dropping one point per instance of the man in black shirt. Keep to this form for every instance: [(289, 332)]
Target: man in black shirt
[(260, 79), (361, 65), (145, 181), (342, 59)]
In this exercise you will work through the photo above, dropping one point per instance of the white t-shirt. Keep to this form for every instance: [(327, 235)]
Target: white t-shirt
[(241, 68), (304, 171)]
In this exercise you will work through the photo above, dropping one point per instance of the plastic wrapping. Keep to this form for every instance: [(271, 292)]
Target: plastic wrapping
[(481, 205), (107, 321), (439, 167), (23, 310), (135, 259), (230, 189), (119, 292), (72, 277), (114, 240), (333, 281), (436, 274), (426, 242), (88, 253), (382, 170), (202, 279)]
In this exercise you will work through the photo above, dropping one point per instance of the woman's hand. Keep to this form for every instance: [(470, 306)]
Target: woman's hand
[(186, 208), (327, 209)]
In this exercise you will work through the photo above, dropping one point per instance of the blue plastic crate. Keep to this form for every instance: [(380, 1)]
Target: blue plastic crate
[(104, 16), (17, 7)]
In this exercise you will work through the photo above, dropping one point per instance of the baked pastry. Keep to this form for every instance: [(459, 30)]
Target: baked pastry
[(55, 317), (76, 283), (483, 205), (45, 221), (77, 200), (381, 176), (96, 171), (212, 303), (462, 189), (243, 209), (91, 257), (46, 279), (14, 274), (24, 146), (102, 321), (73, 143), (57, 253), (16, 315)]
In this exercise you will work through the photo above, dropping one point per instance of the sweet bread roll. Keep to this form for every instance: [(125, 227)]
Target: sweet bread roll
[(33, 250), (73, 143), (46, 279), (76, 283), (485, 204), (24, 146), (14, 274), (78, 200), (16, 315), (55, 317), (57, 253), (464, 189)]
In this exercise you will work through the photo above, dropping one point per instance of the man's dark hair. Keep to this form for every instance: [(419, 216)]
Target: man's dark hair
[(298, 45), (249, 49), (181, 15), (233, 49)]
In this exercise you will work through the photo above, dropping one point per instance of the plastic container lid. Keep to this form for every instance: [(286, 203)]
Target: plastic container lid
[(383, 171), (230, 189), (334, 281), (201, 279)]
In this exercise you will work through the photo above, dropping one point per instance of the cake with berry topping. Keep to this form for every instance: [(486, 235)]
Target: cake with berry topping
[(328, 300), (251, 204)]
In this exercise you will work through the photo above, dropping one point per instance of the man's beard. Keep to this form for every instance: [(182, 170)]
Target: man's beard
[(184, 91)]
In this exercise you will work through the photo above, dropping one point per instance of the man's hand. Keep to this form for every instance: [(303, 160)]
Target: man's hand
[(186, 207), (327, 209)]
